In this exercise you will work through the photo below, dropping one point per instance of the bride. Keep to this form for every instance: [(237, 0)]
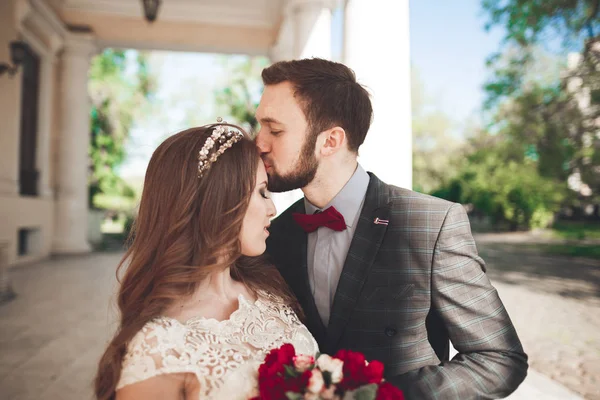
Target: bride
[(200, 308)]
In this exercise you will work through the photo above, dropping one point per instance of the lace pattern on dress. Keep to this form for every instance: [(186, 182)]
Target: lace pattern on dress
[(212, 350)]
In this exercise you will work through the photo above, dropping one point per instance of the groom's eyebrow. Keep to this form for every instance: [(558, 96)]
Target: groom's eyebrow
[(269, 120)]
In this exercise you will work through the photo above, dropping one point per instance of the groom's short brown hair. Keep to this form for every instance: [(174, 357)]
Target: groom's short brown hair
[(328, 94)]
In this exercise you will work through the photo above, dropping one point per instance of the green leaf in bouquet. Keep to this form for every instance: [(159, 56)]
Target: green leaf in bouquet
[(327, 378), (294, 396), (367, 392), (290, 371)]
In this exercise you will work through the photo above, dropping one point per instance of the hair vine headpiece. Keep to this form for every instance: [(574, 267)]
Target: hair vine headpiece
[(225, 137)]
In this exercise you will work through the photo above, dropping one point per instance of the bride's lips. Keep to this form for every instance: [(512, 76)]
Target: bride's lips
[(267, 229)]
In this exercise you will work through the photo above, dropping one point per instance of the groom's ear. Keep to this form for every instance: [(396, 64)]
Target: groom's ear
[(334, 139)]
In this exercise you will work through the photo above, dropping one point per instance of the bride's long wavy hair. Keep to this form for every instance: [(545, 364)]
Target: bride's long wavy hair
[(187, 227)]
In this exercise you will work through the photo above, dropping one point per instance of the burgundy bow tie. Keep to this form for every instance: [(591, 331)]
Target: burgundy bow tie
[(330, 218)]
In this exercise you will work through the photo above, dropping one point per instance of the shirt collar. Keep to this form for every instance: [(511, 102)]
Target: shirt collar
[(349, 199)]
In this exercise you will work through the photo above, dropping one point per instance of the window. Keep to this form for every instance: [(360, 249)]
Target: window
[(28, 173), (28, 241)]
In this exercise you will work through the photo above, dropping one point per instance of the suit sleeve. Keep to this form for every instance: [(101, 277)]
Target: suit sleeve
[(490, 362)]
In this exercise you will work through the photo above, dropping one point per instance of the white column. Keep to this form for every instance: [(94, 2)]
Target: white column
[(10, 111), (46, 119), (284, 47), (71, 214), (312, 28), (304, 33), (377, 48)]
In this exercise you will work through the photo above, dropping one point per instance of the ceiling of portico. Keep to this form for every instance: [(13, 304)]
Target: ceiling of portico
[(257, 13), (230, 26)]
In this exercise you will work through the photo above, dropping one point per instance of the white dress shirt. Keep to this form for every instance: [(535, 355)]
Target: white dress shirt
[(327, 249)]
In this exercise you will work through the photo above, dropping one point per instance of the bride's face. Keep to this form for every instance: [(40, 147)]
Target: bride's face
[(258, 217)]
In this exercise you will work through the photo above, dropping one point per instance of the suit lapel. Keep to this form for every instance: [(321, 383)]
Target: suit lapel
[(298, 276), (361, 255)]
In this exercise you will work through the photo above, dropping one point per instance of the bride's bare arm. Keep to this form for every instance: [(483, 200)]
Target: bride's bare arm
[(176, 386)]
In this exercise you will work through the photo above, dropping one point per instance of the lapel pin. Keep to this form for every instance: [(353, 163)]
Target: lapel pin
[(378, 221)]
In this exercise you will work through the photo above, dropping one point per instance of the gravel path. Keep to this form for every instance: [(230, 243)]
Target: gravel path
[(554, 303)]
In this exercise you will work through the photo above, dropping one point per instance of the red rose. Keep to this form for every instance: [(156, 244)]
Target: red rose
[(272, 388), (355, 372), (353, 357), (276, 359), (297, 384), (283, 355), (272, 383), (374, 372), (387, 391), (286, 354)]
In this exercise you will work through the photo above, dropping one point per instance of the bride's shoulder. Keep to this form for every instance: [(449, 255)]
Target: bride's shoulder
[(270, 298), (159, 331), (276, 304), (157, 348)]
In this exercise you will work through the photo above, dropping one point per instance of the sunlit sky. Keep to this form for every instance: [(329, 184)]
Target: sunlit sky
[(448, 49)]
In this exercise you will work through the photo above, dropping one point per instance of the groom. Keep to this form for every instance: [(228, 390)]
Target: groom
[(378, 269)]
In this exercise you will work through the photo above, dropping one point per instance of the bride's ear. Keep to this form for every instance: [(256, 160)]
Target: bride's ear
[(334, 139)]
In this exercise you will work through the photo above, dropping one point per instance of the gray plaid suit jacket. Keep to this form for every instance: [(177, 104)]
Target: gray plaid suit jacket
[(406, 289)]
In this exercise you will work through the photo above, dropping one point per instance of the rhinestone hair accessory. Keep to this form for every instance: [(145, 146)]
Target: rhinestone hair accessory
[(223, 137)]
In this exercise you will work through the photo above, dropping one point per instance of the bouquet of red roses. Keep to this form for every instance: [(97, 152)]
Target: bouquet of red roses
[(346, 375)]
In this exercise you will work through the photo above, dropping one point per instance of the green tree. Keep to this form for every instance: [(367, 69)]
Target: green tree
[(434, 148), (238, 99), (120, 87), (553, 121), (510, 191), (555, 125), (575, 24)]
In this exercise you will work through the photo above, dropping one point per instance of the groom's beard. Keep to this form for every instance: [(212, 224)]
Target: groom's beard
[(303, 174)]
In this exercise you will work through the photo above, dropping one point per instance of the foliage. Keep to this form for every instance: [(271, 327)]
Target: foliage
[(434, 148), (238, 99), (566, 109), (575, 230), (511, 192), (569, 250), (529, 23), (120, 87), (550, 122)]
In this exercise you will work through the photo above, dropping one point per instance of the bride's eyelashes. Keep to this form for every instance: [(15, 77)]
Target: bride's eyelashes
[(265, 194)]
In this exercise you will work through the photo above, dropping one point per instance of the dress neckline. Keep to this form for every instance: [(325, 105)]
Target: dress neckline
[(243, 303)]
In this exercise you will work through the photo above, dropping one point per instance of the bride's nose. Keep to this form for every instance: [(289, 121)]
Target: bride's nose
[(271, 209)]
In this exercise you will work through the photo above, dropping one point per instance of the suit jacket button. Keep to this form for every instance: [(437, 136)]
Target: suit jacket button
[(389, 331)]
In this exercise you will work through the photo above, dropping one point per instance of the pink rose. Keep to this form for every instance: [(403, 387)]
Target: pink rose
[(303, 362)]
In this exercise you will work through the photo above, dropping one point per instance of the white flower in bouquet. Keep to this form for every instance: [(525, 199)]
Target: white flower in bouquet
[(316, 382), (332, 365)]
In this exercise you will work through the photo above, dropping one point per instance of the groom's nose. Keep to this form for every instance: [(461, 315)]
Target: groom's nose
[(261, 142)]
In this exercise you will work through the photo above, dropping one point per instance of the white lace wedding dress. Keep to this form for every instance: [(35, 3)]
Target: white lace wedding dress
[(223, 355)]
